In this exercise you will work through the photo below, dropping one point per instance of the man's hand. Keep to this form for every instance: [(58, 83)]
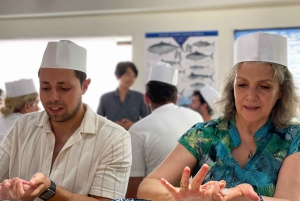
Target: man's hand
[(125, 123), (28, 190)]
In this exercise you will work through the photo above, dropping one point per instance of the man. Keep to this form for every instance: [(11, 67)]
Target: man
[(123, 105), (66, 152), (154, 136), (203, 102)]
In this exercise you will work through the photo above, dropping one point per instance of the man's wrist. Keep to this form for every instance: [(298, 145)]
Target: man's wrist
[(49, 192)]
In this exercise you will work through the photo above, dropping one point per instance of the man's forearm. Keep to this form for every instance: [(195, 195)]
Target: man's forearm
[(64, 195)]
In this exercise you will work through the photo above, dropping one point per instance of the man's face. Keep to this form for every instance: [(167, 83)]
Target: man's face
[(61, 93), (195, 105)]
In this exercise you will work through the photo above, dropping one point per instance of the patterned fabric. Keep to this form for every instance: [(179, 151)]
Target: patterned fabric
[(212, 143)]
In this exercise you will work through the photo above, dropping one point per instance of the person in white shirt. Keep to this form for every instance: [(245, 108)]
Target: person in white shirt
[(22, 98), (66, 152), (155, 136)]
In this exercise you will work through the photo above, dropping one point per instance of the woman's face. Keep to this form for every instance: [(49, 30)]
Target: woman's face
[(127, 79), (35, 105), (255, 92)]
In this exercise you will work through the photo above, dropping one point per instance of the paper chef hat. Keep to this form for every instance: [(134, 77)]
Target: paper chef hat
[(20, 88), (64, 55), (164, 72), (210, 95), (261, 47)]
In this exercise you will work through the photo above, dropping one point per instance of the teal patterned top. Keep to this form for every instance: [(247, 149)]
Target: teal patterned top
[(212, 142)]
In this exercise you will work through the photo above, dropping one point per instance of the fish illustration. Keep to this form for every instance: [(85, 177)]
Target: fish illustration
[(198, 67), (171, 62), (195, 56), (203, 44), (197, 85), (201, 76), (162, 48)]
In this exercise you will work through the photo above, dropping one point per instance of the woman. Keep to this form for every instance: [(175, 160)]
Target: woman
[(253, 149), (123, 106), (21, 98)]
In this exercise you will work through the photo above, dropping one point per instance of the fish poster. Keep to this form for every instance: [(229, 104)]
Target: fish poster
[(194, 54)]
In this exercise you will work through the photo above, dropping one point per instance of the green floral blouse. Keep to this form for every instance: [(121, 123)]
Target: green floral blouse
[(212, 142)]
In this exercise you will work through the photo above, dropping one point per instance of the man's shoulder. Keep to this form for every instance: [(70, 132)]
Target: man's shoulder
[(104, 125), (108, 95)]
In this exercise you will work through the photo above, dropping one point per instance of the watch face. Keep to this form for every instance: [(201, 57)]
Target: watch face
[(47, 195)]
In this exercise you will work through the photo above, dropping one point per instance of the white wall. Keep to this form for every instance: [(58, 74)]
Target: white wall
[(137, 24)]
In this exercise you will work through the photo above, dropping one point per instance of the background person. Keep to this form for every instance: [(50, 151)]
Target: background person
[(253, 147), (2, 98), (123, 106), (66, 152), (156, 135), (22, 98), (203, 101)]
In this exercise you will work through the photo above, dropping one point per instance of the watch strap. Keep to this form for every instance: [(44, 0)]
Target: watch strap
[(49, 193)]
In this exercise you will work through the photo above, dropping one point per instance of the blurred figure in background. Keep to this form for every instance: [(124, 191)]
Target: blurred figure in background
[(123, 106), (22, 98), (203, 101), (2, 97), (155, 136)]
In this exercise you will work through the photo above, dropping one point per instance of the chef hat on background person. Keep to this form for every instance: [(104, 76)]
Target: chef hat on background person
[(210, 95), (261, 47), (64, 55), (20, 88), (164, 72)]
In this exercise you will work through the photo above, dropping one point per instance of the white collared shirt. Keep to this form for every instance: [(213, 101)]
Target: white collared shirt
[(96, 159)]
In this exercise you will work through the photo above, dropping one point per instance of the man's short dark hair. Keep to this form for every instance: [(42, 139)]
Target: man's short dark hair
[(79, 74), (202, 101), (161, 93), (122, 66)]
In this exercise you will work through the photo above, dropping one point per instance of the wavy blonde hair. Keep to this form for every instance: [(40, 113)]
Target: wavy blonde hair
[(16, 104), (284, 110)]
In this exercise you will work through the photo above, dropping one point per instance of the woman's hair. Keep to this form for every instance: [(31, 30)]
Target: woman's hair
[(284, 110), (16, 104)]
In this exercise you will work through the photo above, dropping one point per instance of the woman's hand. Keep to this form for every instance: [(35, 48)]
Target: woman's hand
[(195, 191), (242, 192)]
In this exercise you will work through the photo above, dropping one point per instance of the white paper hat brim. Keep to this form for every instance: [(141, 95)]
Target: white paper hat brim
[(62, 55), (210, 95), (20, 88), (163, 72), (261, 47)]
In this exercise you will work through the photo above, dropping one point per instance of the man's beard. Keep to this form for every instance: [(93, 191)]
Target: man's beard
[(66, 116)]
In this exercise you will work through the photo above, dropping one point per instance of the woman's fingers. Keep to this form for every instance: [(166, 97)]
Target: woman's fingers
[(185, 178), (242, 191), (168, 186), (200, 176)]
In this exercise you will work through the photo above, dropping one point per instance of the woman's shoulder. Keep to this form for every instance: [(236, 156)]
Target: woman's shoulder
[(219, 123), (290, 131)]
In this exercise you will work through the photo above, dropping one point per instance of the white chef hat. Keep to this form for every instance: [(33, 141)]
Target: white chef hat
[(64, 55), (261, 47), (19, 88), (164, 72), (210, 95)]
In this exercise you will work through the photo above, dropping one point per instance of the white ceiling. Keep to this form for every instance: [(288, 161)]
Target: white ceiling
[(38, 8)]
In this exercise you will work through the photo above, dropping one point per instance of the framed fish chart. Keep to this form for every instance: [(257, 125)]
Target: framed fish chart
[(192, 53)]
